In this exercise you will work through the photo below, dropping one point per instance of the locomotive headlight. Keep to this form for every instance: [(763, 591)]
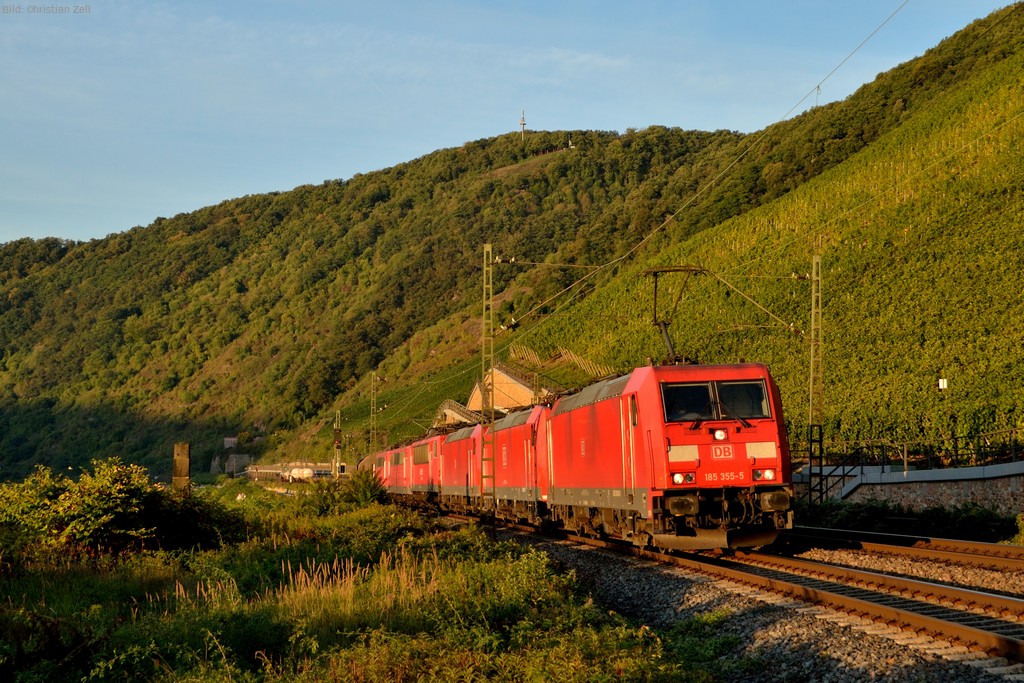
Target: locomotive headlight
[(689, 477), (768, 474), (720, 434), (677, 478)]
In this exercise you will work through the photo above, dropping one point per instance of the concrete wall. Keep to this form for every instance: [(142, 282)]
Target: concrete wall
[(995, 487)]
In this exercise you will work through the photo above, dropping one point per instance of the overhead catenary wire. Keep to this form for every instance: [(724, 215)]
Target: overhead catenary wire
[(519, 262), (923, 172), (594, 270), (751, 300), (873, 198), (757, 141), (721, 174)]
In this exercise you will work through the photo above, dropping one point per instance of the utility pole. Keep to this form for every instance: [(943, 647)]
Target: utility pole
[(181, 474), (336, 463), (816, 393), (373, 412), (487, 492)]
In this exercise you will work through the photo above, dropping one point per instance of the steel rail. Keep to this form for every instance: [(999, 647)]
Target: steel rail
[(945, 610), (972, 553), (963, 598), (958, 619), (992, 634)]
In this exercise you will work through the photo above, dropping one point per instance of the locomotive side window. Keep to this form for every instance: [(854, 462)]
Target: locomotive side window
[(686, 401), (743, 399)]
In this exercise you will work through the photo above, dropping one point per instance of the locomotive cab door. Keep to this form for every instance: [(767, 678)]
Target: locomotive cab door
[(530, 462), (630, 437)]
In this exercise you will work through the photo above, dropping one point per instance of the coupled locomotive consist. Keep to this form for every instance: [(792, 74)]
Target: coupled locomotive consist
[(672, 456)]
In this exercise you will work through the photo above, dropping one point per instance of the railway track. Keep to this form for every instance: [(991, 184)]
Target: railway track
[(993, 623), (979, 623), (985, 555), (975, 620)]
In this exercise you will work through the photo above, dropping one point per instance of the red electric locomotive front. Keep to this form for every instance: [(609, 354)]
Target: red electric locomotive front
[(725, 454), (681, 456)]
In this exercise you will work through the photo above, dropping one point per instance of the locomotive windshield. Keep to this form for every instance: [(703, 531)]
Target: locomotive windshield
[(686, 401), (715, 401), (743, 399)]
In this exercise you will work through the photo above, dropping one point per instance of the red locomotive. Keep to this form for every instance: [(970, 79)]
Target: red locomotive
[(674, 456)]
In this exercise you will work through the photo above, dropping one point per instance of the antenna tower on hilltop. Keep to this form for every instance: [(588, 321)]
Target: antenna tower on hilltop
[(522, 126)]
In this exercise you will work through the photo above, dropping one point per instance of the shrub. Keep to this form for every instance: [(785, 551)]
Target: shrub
[(112, 510), (364, 488), (1019, 538), (326, 497), (969, 521)]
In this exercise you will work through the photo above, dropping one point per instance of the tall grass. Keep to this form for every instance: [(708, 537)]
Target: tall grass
[(377, 594)]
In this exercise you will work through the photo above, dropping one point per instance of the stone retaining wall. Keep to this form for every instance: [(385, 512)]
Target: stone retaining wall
[(995, 487)]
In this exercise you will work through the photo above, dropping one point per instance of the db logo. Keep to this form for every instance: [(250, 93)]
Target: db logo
[(720, 452)]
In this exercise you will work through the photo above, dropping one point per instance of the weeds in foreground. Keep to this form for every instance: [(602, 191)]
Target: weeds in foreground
[(376, 594), (1019, 538)]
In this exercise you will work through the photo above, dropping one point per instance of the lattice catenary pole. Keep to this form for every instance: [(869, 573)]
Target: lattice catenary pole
[(487, 492)]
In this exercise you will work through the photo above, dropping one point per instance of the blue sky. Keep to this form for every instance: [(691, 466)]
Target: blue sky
[(134, 109)]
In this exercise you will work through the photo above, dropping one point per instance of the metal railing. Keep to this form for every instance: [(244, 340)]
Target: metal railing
[(830, 463), (990, 448)]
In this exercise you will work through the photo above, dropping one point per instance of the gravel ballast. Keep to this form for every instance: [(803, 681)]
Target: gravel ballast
[(781, 639)]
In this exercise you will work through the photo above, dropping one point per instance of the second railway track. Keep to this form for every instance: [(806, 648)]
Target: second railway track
[(996, 556)]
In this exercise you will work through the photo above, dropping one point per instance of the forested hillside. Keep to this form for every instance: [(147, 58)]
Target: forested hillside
[(261, 316)]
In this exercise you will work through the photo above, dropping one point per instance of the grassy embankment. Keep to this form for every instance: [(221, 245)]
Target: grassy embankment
[(306, 588)]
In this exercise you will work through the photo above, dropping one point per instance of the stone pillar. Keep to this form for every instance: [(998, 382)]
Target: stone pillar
[(182, 467)]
